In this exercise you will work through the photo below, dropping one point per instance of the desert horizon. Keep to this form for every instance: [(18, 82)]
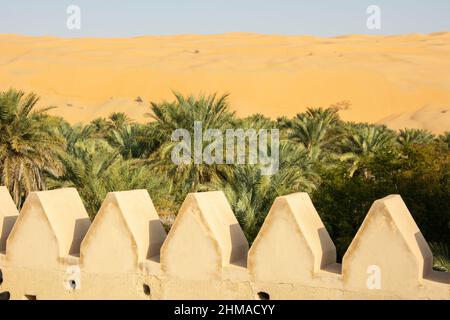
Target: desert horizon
[(384, 79)]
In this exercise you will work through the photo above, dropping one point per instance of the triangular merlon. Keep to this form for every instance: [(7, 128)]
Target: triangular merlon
[(214, 240), (387, 236), (63, 211), (292, 243), (137, 215)]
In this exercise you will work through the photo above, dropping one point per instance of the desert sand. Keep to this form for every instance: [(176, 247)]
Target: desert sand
[(402, 81)]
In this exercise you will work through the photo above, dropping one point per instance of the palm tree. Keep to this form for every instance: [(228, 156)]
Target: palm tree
[(408, 137), (213, 113), (316, 129), (248, 193), (328, 115), (100, 127), (29, 147), (445, 138), (256, 122), (128, 140), (251, 194), (94, 169), (75, 135), (363, 143), (86, 169), (118, 120)]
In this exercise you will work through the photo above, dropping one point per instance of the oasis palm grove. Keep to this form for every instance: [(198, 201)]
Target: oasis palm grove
[(344, 166)]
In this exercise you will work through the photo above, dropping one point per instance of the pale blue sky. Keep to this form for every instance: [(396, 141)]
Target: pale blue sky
[(120, 18)]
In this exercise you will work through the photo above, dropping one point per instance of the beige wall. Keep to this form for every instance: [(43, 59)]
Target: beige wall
[(52, 251)]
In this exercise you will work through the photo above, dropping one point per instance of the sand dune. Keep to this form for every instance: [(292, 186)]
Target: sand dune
[(403, 81), (433, 119)]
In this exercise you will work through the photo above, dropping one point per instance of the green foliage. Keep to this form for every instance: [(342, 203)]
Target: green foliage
[(131, 140), (445, 138), (95, 168), (28, 145), (419, 173), (408, 137), (344, 166), (441, 257), (316, 129), (214, 113), (251, 194), (363, 143)]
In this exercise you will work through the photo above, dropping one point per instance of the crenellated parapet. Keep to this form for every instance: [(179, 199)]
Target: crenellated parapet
[(125, 233), (51, 250), (390, 254)]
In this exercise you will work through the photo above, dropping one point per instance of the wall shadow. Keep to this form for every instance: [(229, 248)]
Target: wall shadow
[(155, 230), (238, 255), (80, 229), (8, 223)]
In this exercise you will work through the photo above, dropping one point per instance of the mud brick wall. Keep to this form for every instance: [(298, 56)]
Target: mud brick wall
[(51, 250)]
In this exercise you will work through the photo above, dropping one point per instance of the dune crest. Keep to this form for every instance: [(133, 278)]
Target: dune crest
[(382, 76)]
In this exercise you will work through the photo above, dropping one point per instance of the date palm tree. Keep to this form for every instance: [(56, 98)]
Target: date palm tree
[(128, 140), (256, 122), (119, 120), (29, 147), (363, 143), (408, 137), (315, 129), (75, 135), (100, 127), (445, 138), (94, 169), (251, 194), (213, 112)]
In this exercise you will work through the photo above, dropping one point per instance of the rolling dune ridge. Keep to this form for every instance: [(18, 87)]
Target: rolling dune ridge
[(402, 81)]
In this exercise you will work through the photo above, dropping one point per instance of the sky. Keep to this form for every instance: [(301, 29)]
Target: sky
[(120, 18)]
